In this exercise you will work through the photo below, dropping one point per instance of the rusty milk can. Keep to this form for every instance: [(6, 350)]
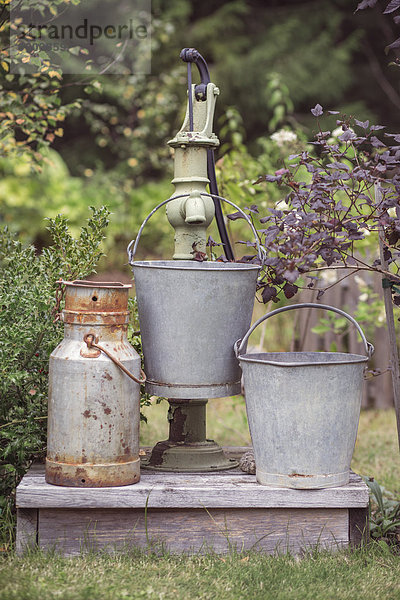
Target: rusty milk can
[(94, 391)]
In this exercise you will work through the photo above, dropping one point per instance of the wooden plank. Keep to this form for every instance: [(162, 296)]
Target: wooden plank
[(358, 526), (27, 526), (173, 490), (193, 530)]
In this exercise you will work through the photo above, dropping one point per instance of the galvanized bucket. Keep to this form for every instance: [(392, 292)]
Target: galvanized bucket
[(303, 410), (190, 315)]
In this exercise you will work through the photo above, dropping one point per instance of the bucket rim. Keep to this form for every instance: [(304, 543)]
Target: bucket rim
[(350, 359), (192, 265)]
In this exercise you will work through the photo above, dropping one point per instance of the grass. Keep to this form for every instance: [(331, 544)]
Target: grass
[(367, 573), (377, 452)]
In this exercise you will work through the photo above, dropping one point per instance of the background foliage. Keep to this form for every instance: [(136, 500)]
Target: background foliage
[(272, 61), (30, 301)]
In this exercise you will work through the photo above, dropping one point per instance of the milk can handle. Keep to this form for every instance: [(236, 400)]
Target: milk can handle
[(132, 247), (241, 344), (90, 342)]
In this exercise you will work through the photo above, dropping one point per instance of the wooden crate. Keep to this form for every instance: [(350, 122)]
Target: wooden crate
[(189, 513)]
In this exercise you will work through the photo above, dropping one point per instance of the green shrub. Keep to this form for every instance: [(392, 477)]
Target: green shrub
[(30, 299)]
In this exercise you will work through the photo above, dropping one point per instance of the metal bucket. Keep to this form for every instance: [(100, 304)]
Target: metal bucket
[(190, 315), (303, 410), (94, 407)]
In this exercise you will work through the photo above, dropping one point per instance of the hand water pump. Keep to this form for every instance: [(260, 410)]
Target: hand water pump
[(192, 312)]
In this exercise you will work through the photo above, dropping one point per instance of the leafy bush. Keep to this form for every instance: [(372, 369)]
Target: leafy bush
[(30, 299), (331, 206), (384, 514)]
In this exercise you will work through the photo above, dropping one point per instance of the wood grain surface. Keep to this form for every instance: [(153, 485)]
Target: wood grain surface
[(72, 531), (227, 489), (190, 512)]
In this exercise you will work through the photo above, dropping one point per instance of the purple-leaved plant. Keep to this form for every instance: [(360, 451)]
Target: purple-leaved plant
[(329, 211)]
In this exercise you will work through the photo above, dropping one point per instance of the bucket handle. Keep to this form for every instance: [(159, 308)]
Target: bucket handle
[(132, 247), (241, 344)]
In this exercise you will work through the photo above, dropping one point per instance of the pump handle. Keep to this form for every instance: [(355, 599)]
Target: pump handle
[(191, 55)]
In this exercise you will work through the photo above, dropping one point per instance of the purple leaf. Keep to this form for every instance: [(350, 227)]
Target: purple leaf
[(333, 112), (363, 124), (376, 142), (366, 4), (340, 166), (290, 290), (387, 255), (235, 216), (395, 136), (268, 293), (253, 208), (317, 110), (211, 242), (291, 275), (392, 6), (347, 135), (376, 127), (270, 178), (393, 45)]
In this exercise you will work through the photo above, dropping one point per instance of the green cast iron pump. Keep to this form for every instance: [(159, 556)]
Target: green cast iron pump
[(194, 146), (187, 448)]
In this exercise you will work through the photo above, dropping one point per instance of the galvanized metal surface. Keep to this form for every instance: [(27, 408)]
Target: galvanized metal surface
[(93, 424), (303, 410), (190, 315)]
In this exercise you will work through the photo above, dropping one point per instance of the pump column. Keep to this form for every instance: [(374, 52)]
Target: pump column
[(187, 449)]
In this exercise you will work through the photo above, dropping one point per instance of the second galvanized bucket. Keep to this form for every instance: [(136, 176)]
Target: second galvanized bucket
[(190, 315), (303, 410)]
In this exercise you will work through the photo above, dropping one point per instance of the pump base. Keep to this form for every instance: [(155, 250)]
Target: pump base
[(188, 458)]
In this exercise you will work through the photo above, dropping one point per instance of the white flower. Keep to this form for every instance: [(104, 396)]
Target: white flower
[(392, 211), (336, 132), (329, 276), (282, 205), (363, 297), (283, 136), (359, 281), (366, 232)]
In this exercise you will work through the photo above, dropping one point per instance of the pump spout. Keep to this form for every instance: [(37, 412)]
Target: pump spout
[(194, 211)]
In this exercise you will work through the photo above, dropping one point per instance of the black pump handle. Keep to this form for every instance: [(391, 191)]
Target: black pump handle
[(191, 55)]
